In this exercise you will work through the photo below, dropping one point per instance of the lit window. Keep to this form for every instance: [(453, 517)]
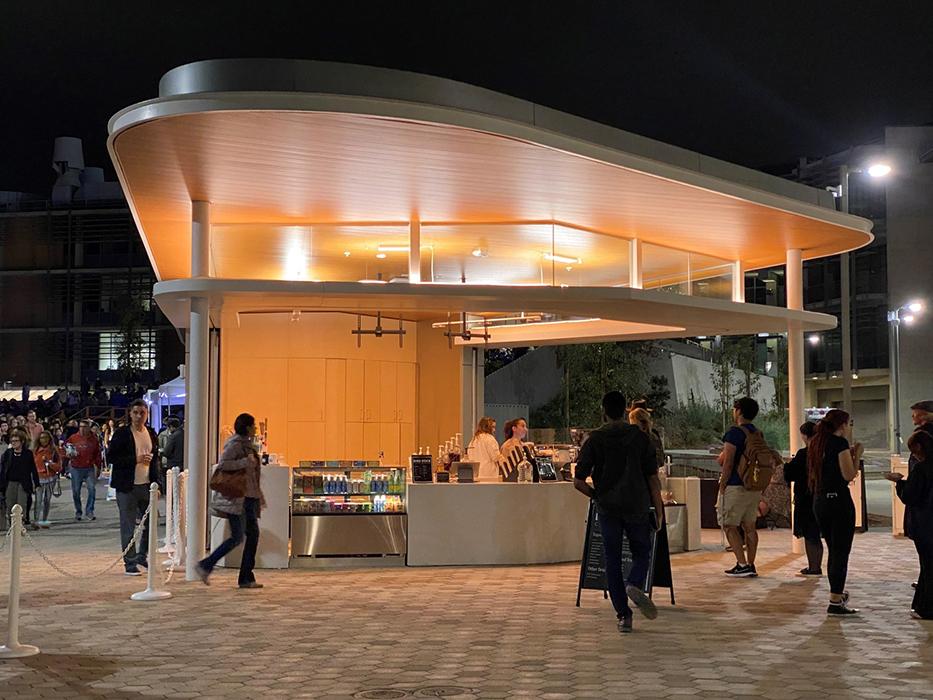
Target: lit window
[(139, 354)]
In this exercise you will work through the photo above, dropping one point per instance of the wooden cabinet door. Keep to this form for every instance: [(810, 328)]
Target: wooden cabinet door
[(354, 441), (335, 409), (355, 384), (406, 442), (388, 392), (306, 388), (371, 441), (389, 443), (371, 391), (407, 390), (305, 441)]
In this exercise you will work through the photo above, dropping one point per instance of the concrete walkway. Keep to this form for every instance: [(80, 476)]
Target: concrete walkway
[(465, 632)]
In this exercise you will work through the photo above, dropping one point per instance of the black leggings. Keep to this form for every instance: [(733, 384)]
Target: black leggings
[(835, 512)]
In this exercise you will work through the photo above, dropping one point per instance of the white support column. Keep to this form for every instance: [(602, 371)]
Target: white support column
[(738, 282), (795, 364), (196, 401), (414, 251), (635, 265)]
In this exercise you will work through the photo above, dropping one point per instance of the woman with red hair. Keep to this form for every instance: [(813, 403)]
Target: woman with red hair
[(831, 465)]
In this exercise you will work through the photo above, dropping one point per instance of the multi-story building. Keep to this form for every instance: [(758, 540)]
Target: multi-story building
[(892, 271), (74, 278)]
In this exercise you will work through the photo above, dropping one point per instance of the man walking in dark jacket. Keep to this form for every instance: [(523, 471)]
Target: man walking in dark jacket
[(134, 456), (623, 466)]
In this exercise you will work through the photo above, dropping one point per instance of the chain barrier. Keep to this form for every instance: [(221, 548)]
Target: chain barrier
[(137, 535), (6, 537)]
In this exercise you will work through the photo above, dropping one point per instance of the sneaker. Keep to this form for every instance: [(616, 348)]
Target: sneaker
[(641, 599), (133, 571), (915, 615), (625, 624), (202, 574), (143, 563), (914, 585), (33, 526), (78, 517), (741, 570), (753, 571), (840, 610), (91, 516), (806, 571), (251, 584)]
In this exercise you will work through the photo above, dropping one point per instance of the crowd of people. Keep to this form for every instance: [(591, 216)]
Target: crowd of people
[(622, 460), (69, 402), (35, 456)]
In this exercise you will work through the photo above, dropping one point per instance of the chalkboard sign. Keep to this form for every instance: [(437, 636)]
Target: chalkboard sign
[(593, 565), (422, 468)]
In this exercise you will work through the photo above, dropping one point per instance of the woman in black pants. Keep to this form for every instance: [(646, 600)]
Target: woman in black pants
[(805, 524), (831, 465)]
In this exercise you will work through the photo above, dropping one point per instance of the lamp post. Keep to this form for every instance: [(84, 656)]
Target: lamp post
[(903, 314), (875, 170)]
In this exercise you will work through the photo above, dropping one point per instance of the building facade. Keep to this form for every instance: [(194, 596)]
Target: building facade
[(887, 273), (74, 281)]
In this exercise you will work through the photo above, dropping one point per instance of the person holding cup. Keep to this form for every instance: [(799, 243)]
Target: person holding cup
[(916, 491), (134, 454)]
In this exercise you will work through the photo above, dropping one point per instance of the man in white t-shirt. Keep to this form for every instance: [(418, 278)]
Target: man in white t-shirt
[(134, 454)]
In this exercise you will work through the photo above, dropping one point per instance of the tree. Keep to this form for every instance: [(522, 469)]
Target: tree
[(131, 349), (590, 370)]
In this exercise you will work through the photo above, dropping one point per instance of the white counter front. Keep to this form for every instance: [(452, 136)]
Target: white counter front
[(505, 523)]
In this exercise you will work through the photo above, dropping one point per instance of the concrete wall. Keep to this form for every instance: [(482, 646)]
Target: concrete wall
[(532, 380), (910, 252), (694, 377)]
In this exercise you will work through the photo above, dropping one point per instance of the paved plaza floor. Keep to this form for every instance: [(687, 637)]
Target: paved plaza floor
[(498, 632)]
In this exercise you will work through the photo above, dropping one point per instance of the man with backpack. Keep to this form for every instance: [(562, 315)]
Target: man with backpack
[(747, 467)]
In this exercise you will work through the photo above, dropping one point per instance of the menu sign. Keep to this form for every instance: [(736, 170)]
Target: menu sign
[(593, 564), (422, 468)]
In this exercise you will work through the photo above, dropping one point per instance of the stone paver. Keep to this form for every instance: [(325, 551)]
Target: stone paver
[(499, 632)]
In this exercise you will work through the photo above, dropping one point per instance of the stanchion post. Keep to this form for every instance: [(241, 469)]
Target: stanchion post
[(181, 542), (151, 593), (168, 542), (13, 649)]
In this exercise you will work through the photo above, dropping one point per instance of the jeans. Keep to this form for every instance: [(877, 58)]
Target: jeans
[(15, 494), (132, 505), (80, 475), (638, 532), (246, 524), (835, 512), (43, 501)]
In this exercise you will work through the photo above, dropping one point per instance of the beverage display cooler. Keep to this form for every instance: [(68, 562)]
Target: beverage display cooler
[(348, 509)]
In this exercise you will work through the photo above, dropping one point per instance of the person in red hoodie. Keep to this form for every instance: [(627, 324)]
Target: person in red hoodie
[(84, 455), (48, 465)]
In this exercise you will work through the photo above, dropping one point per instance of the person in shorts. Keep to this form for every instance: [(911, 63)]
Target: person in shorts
[(737, 507)]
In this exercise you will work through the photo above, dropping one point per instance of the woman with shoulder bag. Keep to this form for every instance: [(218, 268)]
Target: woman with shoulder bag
[(238, 498)]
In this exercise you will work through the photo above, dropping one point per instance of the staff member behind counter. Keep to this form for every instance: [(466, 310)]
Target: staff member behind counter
[(516, 452), (484, 448)]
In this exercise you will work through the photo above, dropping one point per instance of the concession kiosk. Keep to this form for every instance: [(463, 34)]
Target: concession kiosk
[(339, 244)]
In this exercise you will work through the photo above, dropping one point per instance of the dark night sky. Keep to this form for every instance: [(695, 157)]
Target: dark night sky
[(755, 83)]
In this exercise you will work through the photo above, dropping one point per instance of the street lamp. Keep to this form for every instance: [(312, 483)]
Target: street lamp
[(903, 314), (874, 170)]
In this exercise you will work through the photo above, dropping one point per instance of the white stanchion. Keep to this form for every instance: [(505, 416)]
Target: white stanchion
[(181, 538), (170, 484), (151, 593), (13, 649)]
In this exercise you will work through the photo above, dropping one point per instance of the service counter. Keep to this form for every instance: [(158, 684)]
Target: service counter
[(495, 523)]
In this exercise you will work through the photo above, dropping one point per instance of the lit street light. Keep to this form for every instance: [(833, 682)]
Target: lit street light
[(874, 170), (903, 314)]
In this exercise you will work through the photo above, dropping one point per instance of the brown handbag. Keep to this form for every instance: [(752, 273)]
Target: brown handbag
[(229, 484)]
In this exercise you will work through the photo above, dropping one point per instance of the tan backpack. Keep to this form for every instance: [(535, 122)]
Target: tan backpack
[(758, 461)]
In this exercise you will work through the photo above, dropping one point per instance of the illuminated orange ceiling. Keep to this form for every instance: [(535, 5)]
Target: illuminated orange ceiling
[(297, 167)]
